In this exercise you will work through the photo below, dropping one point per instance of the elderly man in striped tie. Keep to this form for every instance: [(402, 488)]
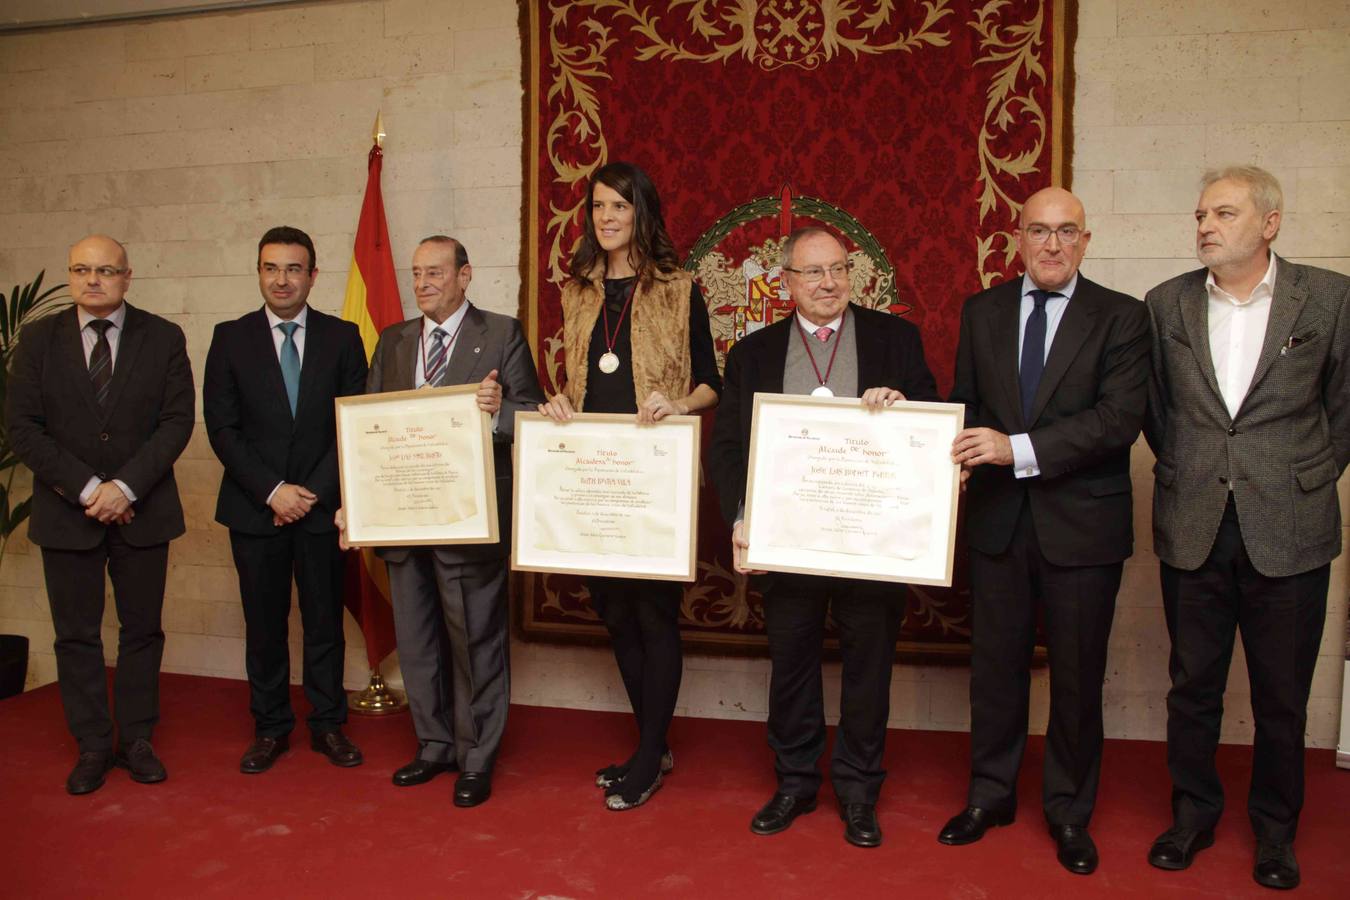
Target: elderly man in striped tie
[(450, 605)]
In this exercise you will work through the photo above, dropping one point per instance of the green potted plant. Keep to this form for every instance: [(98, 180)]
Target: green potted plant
[(24, 304)]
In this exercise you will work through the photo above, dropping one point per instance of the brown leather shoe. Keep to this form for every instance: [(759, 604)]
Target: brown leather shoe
[(335, 746), (260, 755)]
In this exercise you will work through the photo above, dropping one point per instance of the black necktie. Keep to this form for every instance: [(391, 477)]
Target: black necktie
[(100, 360), (1033, 352)]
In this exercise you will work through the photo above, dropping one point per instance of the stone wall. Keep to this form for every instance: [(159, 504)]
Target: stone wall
[(187, 137)]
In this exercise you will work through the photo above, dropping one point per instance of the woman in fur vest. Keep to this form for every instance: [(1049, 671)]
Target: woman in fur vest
[(636, 340)]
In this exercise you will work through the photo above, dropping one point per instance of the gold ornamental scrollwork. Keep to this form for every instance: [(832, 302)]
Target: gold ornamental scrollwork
[(767, 33), (1014, 50)]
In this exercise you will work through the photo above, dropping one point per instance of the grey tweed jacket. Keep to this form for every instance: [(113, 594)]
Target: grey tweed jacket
[(1283, 452)]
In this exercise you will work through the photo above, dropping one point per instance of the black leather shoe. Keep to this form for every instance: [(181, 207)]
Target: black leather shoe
[(90, 771), (969, 826), (1176, 847), (262, 753), (779, 812), (1275, 866), (861, 828), (420, 771), (1077, 853), (335, 746), (139, 759), (472, 788)]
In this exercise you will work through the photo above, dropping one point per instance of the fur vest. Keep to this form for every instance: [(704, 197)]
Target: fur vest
[(659, 334)]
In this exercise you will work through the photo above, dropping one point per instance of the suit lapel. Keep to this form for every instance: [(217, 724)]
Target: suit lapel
[(1285, 307), (1004, 329), (1194, 305), (468, 349), (316, 330), (871, 354), (775, 355), (403, 362), (128, 348), (70, 358), (1074, 327)]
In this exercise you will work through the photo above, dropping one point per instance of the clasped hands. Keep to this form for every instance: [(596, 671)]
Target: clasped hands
[(109, 505)]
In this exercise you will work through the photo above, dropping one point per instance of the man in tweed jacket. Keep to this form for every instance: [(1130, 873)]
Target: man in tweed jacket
[(1249, 415)]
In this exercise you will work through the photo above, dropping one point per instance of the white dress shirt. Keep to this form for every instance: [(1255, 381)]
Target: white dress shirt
[(1237, 329), (89, 337), (1024, 455)]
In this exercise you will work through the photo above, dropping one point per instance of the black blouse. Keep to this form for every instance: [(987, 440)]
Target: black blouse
[(615, 393)]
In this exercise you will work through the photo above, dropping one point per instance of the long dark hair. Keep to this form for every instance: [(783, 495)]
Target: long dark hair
[(651, 248)]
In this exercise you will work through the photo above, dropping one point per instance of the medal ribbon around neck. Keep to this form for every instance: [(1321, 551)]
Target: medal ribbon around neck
[(609, 362), (823, 391)]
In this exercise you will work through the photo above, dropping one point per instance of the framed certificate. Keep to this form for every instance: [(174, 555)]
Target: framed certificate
[(834, 488), (603, 495), (415, 467)]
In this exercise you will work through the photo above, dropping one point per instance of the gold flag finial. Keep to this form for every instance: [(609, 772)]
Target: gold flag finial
[(378, 134)]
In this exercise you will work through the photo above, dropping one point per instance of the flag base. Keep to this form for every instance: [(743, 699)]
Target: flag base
[(377, 699)]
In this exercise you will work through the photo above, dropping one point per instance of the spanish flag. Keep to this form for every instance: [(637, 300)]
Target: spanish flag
[(373, 303)]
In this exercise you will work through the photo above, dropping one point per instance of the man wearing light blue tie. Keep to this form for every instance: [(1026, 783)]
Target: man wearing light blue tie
[(271, 377)]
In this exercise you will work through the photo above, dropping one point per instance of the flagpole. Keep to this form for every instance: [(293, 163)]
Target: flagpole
[(377, 699)]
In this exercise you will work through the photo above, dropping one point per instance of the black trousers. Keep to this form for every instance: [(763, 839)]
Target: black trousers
[(1281, 621), (1077, 604), (868, 615), (642, 617), (265, 565), (75, 591)]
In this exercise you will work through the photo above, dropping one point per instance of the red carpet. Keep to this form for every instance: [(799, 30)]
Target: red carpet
[(308, 829)]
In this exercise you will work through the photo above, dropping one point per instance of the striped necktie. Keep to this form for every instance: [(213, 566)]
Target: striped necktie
[(100, 360), (436, 358)]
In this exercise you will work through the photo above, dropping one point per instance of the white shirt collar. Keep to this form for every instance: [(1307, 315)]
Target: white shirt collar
[(1028, 286), (118, 316), (449, 326), (273, 320), (810, 327), (1264, 290)]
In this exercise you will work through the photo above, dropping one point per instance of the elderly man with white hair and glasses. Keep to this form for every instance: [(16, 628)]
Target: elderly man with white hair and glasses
[(1249, 416)]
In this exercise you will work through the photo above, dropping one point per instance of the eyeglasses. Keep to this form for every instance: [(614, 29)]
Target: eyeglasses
[(1039, 234), (272, 270), (100, 271), (814, 274)]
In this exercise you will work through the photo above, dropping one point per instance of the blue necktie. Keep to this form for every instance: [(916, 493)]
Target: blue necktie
[(290, 363), (1033, 352)]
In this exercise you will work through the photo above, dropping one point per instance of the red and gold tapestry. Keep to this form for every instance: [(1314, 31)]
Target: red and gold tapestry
[(913, 128)]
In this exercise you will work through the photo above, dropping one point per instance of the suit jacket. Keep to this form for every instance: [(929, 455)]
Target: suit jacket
[(1088, 410), (1284, 450), (486, 341), (59, 431), (249, 421), (890, 354)]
